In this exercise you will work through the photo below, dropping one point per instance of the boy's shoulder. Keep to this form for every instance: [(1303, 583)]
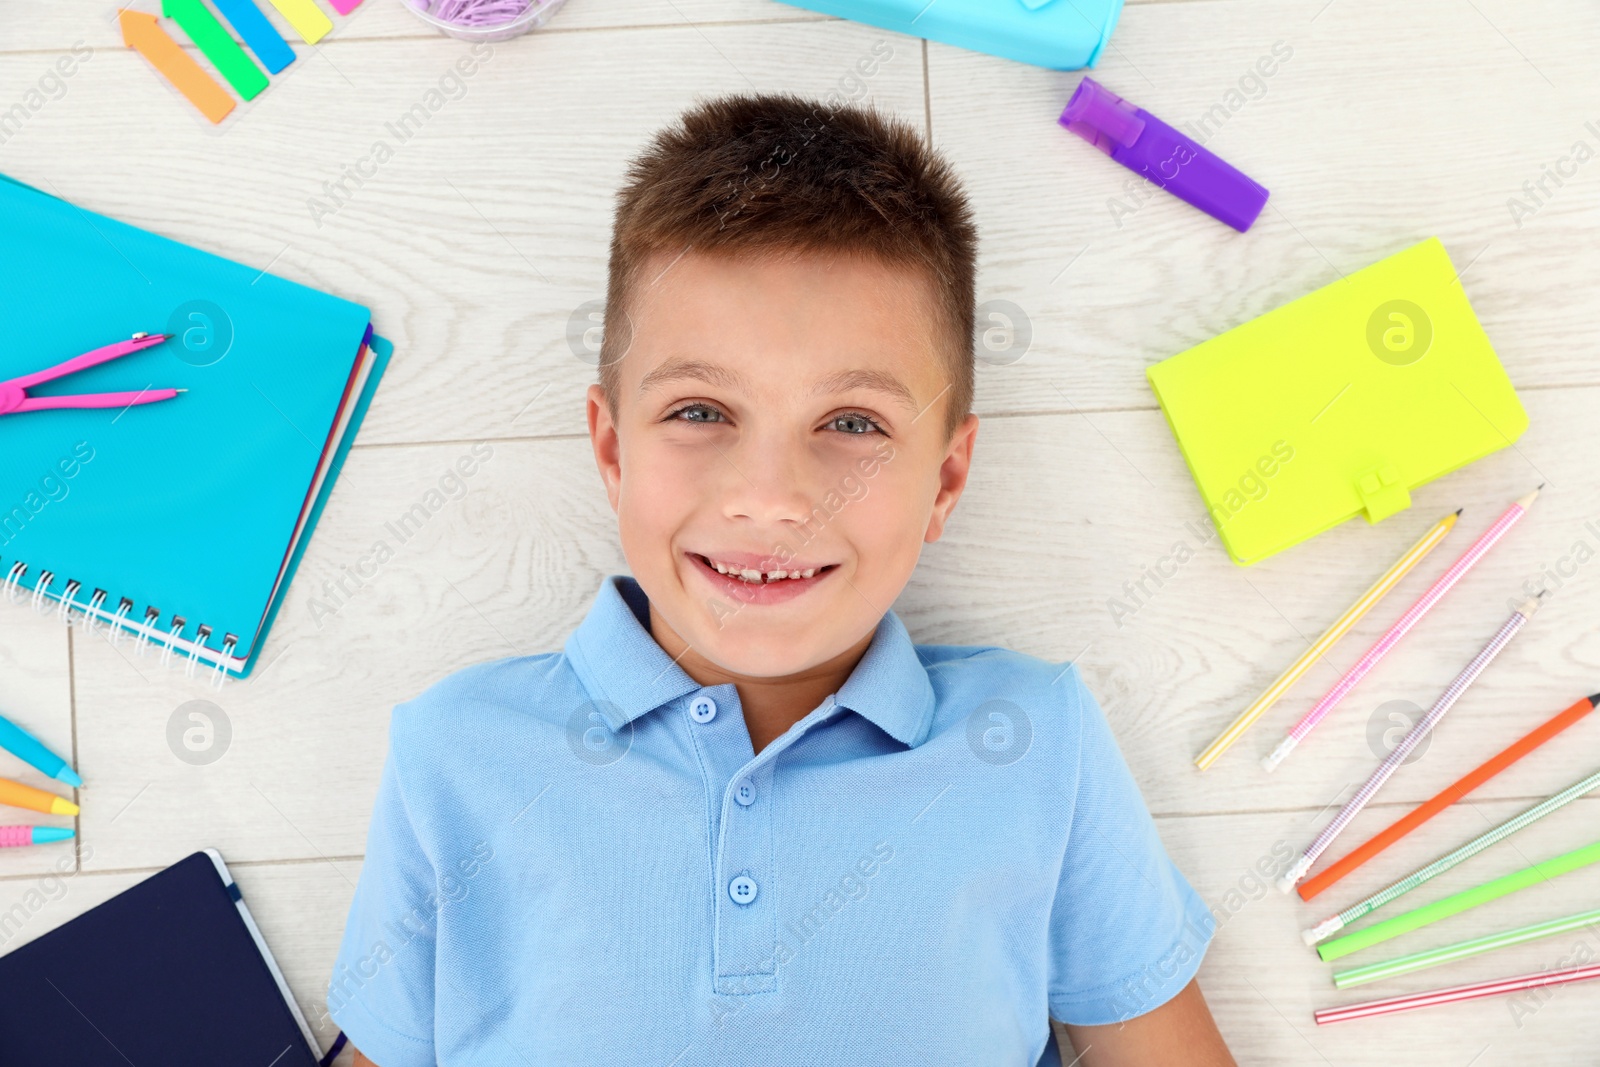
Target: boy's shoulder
[(969, 675), (479, 700)]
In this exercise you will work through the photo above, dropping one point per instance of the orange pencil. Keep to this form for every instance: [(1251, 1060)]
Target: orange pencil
[(1446, 797), (18, 795)]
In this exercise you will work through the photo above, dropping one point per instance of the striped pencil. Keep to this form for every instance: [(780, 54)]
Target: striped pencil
[(1385, 644), (1330, 637), (1410, 741), (1456, 903), (1496, 988), (1330, 926), (1447, 796), (1417, 961)]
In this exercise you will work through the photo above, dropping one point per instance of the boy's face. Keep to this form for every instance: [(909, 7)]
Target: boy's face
[(778, 415)]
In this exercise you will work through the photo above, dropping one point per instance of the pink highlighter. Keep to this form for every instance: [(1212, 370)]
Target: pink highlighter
[(1163, 156)]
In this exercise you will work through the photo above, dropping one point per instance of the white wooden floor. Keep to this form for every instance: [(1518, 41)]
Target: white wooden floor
[(477, 240)]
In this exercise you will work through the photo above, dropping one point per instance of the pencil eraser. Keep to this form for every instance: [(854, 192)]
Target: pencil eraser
[(1321, 932), (1278, 755), (1293, 875)]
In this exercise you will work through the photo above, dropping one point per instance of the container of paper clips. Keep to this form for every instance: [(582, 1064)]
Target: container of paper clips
[(484, 20)]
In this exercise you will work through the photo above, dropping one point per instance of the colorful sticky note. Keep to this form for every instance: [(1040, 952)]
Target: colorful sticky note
[(219, 47), (142, 33), (262, 37), (306, 18), (344, 7)]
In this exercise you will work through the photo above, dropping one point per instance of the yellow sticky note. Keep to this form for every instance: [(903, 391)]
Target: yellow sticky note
[(306, 18)]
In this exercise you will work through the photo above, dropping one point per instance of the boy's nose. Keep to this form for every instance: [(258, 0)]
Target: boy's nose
[(769, 485)]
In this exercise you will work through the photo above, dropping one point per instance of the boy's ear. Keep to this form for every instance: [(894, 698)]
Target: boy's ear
[(952, 476), (607, 448)]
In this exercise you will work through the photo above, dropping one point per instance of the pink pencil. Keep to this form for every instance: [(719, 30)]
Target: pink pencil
[(1402, 626), (1496, 988)]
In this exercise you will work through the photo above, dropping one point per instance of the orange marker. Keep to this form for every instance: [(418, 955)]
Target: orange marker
[(141, 32), (18, 795)]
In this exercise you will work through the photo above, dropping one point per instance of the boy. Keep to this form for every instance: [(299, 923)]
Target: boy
[(741, 819)]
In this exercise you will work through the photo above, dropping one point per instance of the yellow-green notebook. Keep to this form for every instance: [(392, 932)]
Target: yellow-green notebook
[(1338, 404)]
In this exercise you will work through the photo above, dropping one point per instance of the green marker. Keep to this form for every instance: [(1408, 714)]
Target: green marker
[(1374, 972), (218, 45), (1451, 905)]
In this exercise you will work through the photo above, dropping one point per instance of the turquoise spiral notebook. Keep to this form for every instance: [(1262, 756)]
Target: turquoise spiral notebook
[(174, 525)]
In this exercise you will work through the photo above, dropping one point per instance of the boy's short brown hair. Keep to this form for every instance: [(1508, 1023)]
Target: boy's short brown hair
[(774, 173)]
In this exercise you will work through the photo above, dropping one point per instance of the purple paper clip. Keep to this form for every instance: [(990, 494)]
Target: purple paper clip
[(1163, 156)]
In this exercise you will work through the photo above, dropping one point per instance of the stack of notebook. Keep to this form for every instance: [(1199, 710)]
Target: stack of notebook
[(177, 523)]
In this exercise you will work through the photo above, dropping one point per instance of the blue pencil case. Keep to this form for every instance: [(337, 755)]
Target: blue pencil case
[(1057, 34)]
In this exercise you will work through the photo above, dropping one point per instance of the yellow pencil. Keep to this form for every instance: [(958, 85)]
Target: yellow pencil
[(1341, 626)]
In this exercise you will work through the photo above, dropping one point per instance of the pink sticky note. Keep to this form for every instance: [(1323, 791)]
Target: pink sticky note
[(344, 7)]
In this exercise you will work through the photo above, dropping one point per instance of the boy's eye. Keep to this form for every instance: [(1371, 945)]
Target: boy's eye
[(854, 423), (697, 413)]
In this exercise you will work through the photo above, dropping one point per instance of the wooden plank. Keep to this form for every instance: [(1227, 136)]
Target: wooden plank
[(1363, 137)]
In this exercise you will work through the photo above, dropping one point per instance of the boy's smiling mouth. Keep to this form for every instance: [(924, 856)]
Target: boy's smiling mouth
[(753, 579)]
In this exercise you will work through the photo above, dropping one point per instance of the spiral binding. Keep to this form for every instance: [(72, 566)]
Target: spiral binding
[(67, 606)]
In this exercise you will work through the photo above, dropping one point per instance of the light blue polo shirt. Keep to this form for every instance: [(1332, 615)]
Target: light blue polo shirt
[(577, 859)]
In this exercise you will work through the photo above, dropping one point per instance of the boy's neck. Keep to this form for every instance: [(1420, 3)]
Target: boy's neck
[(771, 705)]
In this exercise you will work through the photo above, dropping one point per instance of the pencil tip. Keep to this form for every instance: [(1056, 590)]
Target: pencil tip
[(1595, 700), (1459, 511)]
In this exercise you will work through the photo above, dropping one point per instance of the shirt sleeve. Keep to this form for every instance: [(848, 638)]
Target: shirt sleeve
[(1127, 932), (381, 992)]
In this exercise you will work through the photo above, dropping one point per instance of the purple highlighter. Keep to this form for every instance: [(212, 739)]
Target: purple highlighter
[(1163, 156)]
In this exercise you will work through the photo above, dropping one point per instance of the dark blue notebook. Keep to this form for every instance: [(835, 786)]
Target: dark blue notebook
[(171, 972)]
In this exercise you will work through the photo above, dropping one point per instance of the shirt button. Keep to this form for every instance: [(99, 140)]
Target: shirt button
[(745, 792), (742, 890), (702, 708)]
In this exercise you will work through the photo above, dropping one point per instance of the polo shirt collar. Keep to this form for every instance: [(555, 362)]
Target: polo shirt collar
[(617, 659), (890, 686)]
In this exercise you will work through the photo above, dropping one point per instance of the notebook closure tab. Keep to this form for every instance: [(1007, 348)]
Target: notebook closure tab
[(1382, 492)]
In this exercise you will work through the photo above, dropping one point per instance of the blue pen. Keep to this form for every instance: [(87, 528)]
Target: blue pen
[(23, 745)]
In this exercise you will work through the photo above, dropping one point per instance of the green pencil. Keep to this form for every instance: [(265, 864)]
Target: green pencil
[(1451, 905), (1374, 972)]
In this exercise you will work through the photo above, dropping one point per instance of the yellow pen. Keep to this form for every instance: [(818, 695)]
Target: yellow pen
[(18, 795)]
